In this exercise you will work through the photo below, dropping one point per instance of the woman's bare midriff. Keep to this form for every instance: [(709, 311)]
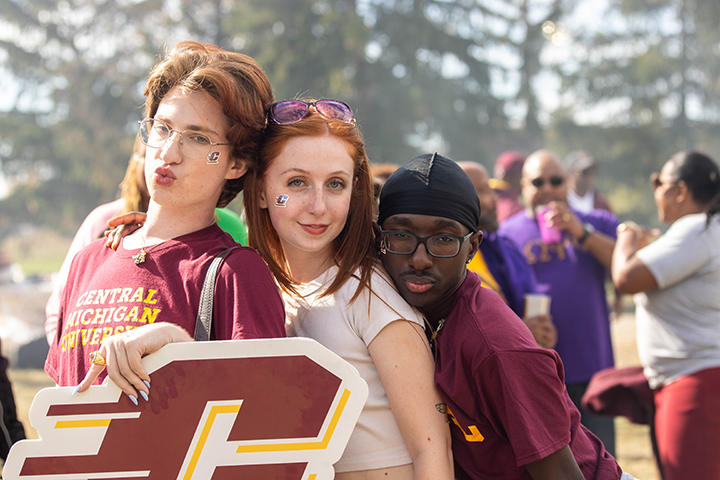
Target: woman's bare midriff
[(403, 472)]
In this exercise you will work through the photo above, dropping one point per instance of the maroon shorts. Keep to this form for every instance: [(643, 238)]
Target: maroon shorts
[(687, 426)]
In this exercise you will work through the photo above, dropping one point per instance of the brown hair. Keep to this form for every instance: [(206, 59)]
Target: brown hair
[(353, 247), (234, 80), (135, 196)]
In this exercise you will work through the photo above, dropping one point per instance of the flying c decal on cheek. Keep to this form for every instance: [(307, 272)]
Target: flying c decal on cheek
[(213, 158), (281, 200)]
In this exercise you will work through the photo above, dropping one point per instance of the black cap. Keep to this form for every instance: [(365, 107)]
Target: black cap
[(431, 185)]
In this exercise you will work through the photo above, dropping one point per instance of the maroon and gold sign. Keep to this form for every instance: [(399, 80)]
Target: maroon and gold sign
[(254, 409)]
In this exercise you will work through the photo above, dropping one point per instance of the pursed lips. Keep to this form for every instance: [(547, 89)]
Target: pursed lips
[(164, 176), (165, 171)]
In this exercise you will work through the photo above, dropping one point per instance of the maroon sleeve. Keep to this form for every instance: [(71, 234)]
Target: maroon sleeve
[(524, 397), (247, 299)]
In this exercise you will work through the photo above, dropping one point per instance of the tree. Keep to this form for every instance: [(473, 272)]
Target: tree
[(640, 89), (81, 67)]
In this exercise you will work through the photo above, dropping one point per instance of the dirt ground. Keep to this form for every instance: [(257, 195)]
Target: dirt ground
[(633, 443)]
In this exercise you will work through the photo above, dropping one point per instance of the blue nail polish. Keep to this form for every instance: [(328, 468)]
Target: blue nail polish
[(133, 399), (75, 390), (144, 395), (147, 384)]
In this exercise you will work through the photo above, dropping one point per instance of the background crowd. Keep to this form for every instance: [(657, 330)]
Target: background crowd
[(539, 227)]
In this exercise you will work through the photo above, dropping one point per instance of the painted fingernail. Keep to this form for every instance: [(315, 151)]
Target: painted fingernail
[(144, 395), (133, 399), (147, 384), (75, 390)]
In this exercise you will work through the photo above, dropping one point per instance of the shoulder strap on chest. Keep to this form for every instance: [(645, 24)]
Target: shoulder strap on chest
[(203, 323)]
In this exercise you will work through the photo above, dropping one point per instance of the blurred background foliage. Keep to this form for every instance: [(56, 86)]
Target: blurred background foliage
[(630, 81)]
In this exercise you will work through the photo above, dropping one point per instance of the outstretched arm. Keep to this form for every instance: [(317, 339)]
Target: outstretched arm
[(123, 353), (402, 357)]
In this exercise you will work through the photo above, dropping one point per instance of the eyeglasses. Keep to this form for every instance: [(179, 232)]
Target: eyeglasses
[(292, 111), (656, 183), (555, 181), (405, 243), (193, 144)]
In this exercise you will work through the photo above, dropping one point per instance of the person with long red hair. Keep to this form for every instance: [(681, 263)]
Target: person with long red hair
[(309, 208)]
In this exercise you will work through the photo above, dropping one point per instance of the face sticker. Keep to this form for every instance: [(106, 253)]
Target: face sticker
[(213, 157), (281, 200)]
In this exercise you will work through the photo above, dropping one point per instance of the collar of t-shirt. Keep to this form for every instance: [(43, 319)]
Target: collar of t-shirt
[(585, 204)]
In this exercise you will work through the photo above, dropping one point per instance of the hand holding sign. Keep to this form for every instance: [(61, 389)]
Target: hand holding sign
[(232, 409)]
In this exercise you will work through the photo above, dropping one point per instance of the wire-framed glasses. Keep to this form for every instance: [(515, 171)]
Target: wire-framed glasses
[(405, 243), (193, 144)]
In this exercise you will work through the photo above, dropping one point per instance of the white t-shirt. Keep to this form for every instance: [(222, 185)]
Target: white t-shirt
[(347, 329), (584, 204), (678, 325)]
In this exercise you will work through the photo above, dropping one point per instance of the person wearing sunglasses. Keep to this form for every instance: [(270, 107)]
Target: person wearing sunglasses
[(676, 280), (309, 208), (500, 265), (205, 112), (572, 270)]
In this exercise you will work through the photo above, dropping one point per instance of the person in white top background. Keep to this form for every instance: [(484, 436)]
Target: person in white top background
[(676, 279)]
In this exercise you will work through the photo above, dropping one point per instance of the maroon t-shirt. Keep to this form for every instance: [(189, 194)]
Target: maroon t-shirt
[(107, 294), (506, 395)]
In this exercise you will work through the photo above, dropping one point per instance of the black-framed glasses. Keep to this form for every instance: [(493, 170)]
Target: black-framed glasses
[(405, 243), (193, 144), (554, 181), (292, 111)]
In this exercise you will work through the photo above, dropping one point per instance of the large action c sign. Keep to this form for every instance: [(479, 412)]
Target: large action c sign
[(252, 409)]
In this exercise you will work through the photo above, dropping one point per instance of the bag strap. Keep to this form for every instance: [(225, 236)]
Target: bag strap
[(203, 323)]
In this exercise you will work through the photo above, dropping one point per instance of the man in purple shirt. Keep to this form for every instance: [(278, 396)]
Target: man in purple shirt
[(511, 276), (573, 272)]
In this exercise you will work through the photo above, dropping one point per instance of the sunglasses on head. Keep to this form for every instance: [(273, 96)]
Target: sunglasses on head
[(554, 181), (292, 111)]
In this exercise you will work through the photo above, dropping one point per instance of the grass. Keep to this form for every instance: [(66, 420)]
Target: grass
[(38, 252), (634, 451), (633, 441)]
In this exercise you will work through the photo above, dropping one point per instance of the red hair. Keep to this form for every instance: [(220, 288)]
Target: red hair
[(353, 247), (234, 80)]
